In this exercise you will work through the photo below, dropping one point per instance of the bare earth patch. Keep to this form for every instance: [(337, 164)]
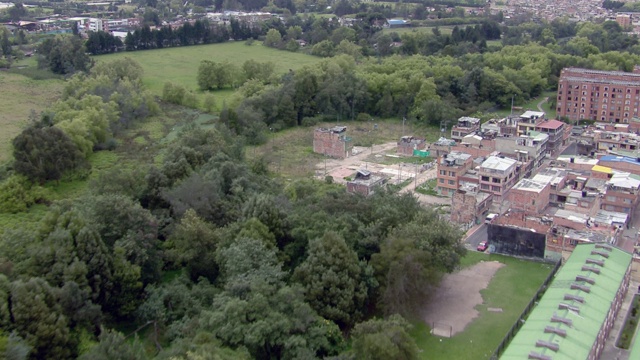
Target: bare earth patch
[(453, 306)]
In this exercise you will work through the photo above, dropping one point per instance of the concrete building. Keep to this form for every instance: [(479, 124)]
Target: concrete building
[(450, 168), (530, 149), (528, 122), (556, 130), (465, 126), (365, 183), (332, 142), (575, 315), (408, 144), (622, 192), (498, 174), (610, 96)]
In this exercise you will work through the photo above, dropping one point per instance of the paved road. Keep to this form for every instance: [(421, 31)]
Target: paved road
[(479, 235)]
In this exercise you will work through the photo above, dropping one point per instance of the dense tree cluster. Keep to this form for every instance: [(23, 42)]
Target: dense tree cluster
[(63, 55), (263, 270)]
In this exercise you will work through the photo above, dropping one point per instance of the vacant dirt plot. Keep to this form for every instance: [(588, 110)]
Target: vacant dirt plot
[(453, 306)]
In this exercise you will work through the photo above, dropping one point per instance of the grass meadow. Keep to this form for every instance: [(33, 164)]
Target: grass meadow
[(532, 104), (19, 96), (180, 64), (511, 289)]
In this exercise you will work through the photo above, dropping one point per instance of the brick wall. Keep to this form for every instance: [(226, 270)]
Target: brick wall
[(330, 144), (530, 201)]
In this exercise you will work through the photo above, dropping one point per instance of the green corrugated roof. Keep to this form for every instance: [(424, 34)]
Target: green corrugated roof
[(581, 335), (635, 350)]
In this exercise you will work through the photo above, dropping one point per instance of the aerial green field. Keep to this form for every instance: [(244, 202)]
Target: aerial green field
[(511, 289), (19, 96), (180, 64)]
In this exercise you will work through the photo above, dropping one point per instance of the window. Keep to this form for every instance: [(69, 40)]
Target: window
[(611, 198), (495, 180), (484, 186), (451, 173), (495, 188), (452, 182), (484, 178), (441, 180), (443, 172)]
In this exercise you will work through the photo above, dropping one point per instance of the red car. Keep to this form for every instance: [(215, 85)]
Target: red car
[(482, 246)]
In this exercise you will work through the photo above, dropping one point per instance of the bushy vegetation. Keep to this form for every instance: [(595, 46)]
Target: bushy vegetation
[(246, 249)]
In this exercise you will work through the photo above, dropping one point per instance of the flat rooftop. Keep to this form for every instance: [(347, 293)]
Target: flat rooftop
[(530, 185), (498, 163)]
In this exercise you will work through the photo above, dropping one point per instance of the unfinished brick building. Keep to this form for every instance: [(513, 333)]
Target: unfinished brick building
[(408, 144), (332, 142), (365, 183)]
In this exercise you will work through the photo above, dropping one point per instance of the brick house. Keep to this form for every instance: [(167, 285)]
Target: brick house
[(498, 174), (622, 192), (528, 121), (450, 168), (530, 195), (465, 126), (470, 206), (408, 144), (332, 142), (365, 183)]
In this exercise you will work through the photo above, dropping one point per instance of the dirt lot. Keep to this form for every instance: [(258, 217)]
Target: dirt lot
[(365, 157), (453, 306)]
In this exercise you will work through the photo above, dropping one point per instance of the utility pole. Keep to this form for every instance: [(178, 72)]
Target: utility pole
[(415, 182), (512, 104), (403, 120)]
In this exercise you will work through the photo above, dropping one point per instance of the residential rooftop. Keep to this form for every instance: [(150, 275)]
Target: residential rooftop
[(551, 124), (498, 163)]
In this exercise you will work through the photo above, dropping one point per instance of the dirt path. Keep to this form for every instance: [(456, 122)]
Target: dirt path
[(454, 305), (542, 102)]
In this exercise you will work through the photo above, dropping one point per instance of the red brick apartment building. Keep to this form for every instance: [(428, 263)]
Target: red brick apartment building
[(450, 168), (611, 96)]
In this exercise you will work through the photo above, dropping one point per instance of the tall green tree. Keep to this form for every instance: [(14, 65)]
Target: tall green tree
[(382, 339), (43, 154), (332, 278)]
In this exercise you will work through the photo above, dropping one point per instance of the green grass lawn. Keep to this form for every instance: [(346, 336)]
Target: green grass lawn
[(180, 64), (511, 289), (532, 104), (19, 96)]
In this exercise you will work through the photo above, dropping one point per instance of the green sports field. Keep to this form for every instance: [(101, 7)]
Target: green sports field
[(511, 289)]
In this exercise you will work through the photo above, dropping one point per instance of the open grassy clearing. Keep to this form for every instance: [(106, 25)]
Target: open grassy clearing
[(511, 289), (139, 147), (19, 96), (532, 104), (290, 152), (180, 64)]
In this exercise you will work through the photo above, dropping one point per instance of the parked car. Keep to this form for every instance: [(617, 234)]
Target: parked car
[(483, 246)]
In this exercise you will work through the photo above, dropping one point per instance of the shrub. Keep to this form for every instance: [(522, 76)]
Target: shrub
[(17, 194)]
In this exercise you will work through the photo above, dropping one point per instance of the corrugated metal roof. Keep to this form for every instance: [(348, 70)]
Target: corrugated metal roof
[(602, 169), (583, 330)]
